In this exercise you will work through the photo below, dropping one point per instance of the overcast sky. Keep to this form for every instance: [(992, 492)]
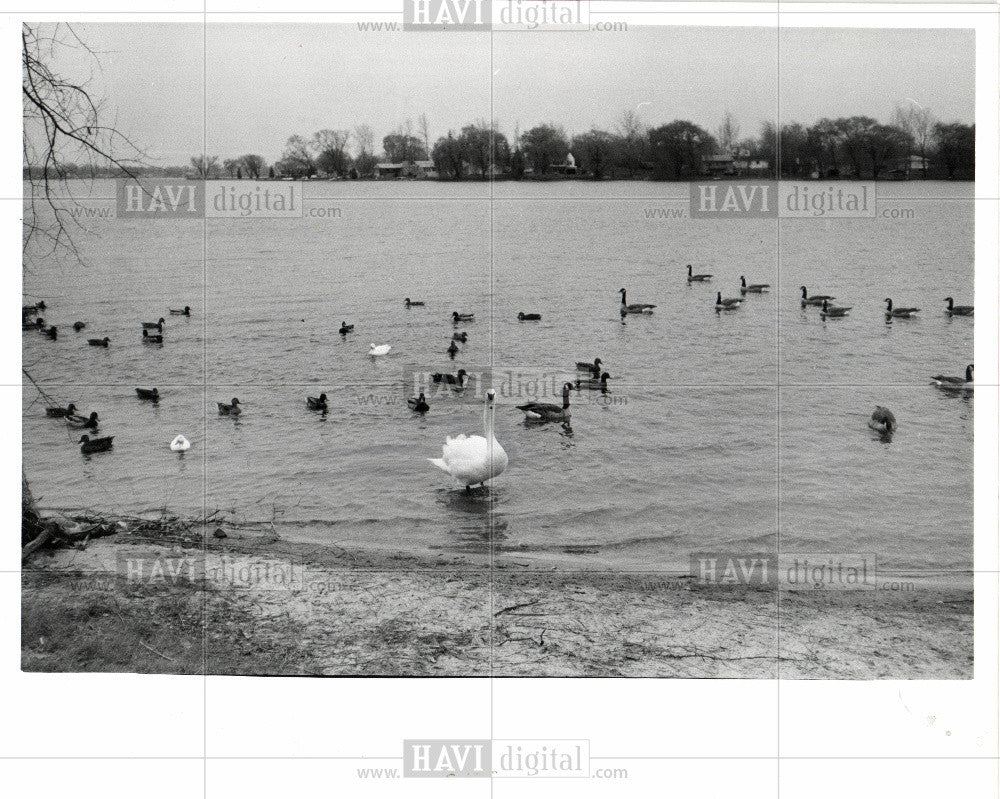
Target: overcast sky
[(266, 82)]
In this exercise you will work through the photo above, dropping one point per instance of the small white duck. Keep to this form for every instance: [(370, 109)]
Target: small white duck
[(472, 460), (180, 444), (379, 349)]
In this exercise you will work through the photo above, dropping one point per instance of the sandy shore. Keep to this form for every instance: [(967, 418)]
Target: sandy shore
[(252, 603)]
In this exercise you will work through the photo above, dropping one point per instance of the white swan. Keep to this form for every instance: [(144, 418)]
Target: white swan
[(180, 444), (472, 460), (379, 349)]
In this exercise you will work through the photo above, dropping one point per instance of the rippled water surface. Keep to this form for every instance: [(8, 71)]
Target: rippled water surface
[(696, 447)]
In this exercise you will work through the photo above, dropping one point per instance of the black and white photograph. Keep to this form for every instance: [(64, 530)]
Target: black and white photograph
[(508, 341)]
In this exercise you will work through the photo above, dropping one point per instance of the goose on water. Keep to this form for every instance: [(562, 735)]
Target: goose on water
[(52, 332), (697, 278), (452, 349), (147, 338), (949, 381), (452, 380), (594, 368), (38, 324), (89, 445), (815, 299), (186, 311), (345, 328), (958, 310), (150, 394), (753, 288), (898, 313), (636, 307), (379, 349), (547, 411), (180, 444), (231, 409), (727, 304), (78, 326), (472, 460), (882, 420), (594, 383), (154, 325), (418, 404), (99, 342), (457, 317), (61, 413), (834, 311), (463, 337), (529, 317), (411, 303), (316, 403)]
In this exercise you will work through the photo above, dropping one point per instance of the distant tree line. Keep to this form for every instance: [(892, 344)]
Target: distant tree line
[(913, 145)]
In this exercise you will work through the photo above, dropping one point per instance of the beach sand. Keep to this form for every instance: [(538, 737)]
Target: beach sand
[(252, 603)]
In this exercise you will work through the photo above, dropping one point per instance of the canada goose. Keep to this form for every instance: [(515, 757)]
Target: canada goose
[(463, 337), (38, 324), (185, 312), (52, 332), (452, 380), (697, 278), (948, 381), (548, 412), (958, 310), (88, 445), (345, 328), (317, 403), (457, 317), (232, 409), (150, 394), (594, 368), (412, 304), (418, 404), (529, 317), (816, 299), (882, 420), (898, 313), (834, 311), (472, 460), (154, 325), (60, 413), (728, 304), (82, 422), (78, 326), (99, 342), (379, 349), (452, 349), (753, 288), (637, 307), (600, 383), (155, 338)]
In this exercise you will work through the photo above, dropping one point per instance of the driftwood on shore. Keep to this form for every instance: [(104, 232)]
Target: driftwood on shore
[(56, 530)]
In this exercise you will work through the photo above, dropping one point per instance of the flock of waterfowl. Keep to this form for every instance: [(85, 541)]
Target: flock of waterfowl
[(472, 460)]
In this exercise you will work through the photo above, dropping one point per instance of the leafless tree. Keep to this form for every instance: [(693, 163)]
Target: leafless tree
[(64, 126), (919, 123), (728, 133), (425, 132)]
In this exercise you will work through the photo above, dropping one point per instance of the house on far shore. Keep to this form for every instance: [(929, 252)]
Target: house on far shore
[(909, 167), (566, 168), (410, 169), (717, 165)]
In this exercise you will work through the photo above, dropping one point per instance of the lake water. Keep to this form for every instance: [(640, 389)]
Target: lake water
[(719, 427)]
